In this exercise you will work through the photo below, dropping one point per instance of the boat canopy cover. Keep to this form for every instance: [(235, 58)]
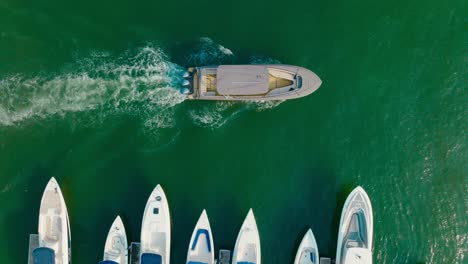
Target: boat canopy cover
[(43, 255), (242, 79), (108, 262), (149, 258)]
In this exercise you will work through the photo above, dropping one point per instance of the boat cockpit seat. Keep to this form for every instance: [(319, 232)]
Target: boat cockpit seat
[(53, 227), (150, 258), (43, 255)]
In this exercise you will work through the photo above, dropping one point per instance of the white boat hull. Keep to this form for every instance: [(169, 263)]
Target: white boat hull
[(201, 248), (355, 235), (247, 248), (54, 227), (308, 251), (156, 227), (116, 248), (263, 82)]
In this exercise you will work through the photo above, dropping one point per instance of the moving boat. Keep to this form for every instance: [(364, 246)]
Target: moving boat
[(201, 249), (247, 248), (308, 250), (116, 248), (156, 230), (250, 82), (54, 228), (355, 230)]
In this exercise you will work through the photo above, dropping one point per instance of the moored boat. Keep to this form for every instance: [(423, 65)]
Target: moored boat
[(155, 241), (54, 228), (247, 249), (308, 251), (355, 230), (116, 247), (201, 248)]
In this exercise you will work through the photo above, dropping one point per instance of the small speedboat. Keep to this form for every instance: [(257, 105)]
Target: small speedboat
[(116, 248), (308, 251), (355, 230), (201, 248), (54, 228), (247, 249), (155, 244), (250, 82)]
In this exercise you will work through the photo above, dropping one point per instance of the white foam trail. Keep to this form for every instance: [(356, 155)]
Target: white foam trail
[(266, 105), (263, 60), (208, 52), (139, 83), (217, 114)]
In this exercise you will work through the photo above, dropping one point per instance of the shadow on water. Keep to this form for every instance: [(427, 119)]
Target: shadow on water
[(129, 205), (185, 216), (26, 216), (313, 209)]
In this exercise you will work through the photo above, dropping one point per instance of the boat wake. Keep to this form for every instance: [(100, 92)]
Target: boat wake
[(141, 82)]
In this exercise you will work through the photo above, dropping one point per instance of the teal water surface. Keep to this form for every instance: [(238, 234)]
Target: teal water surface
[(89, 94)]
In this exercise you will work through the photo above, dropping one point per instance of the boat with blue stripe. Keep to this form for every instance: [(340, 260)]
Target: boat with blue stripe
[(201, 249)]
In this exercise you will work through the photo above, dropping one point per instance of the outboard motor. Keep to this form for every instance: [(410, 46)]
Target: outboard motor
[(185, 91)]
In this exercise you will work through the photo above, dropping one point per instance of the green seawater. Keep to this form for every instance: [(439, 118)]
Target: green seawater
[(89, 94)]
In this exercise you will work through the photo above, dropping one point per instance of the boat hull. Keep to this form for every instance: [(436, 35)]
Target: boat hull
[(309, 83), (247, 248), (308, 251), (156, 228), (355, 235), (116, 247), (54, 227), (201, 248)]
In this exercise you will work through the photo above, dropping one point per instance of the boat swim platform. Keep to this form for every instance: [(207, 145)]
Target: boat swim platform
[(33, 244), (224, 256)]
